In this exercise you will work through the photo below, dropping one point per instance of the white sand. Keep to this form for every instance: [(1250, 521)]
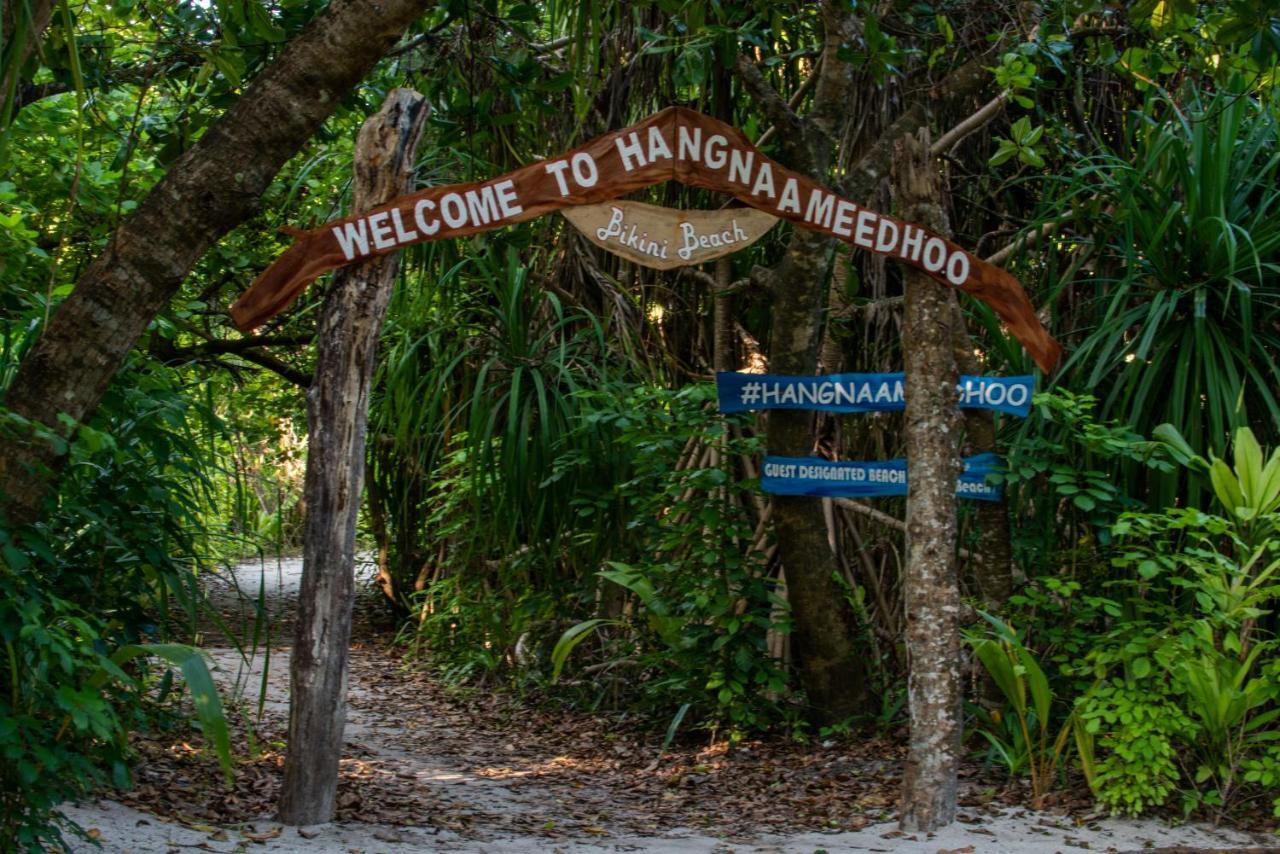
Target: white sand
[(119, 828), (123, 830)]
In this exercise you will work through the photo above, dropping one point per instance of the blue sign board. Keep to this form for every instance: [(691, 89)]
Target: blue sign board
[(862, 392), (837, 479)]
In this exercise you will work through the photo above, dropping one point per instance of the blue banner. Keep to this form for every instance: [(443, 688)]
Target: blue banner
[(862, 392), (831, 479)]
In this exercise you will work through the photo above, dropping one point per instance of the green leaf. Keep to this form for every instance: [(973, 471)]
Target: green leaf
[(1000, 668), (673, 726), (1038, 683), (1225, 486), (1248, 454), (204, 694), (573, 636), (1031, 157), (1005, 152)]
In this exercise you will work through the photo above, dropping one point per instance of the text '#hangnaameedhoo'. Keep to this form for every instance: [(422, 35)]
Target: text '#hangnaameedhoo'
[(742, 392)]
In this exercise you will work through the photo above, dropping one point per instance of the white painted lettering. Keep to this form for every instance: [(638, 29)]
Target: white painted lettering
[(419, 211), (821, 207), (556, 170), (381, 231), (690, 143), (844, 217), (740, 166), (790, 200), (958, 268), (507, 200), (716, 156), (482, 205), (764, 182), (912, 240), (935, 254), (454, 210), (886, 235), (657, 145), (628, 149), (863, 234), (352, 239), (585, 173), (402, 236)]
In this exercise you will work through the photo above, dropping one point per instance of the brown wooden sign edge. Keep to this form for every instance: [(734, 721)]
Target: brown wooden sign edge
[(675, 144)]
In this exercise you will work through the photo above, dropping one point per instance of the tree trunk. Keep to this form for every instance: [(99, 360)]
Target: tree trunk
[(723, 335), (831, 667), (211, 189), (337, 414), (991, 569), (930, 585), (28, 18), (837, 316), (724, 340)]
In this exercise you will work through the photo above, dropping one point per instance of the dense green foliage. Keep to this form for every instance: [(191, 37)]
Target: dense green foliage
[(555, 504)]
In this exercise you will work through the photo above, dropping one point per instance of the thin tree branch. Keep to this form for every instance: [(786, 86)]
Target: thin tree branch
[(551, 46), (239, 345), (1025, 241), (293, 375), (794, 103), (985, 114), (884, 519), (790, 125)]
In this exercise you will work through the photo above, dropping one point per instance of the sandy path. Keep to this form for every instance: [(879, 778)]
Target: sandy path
[(485, 790)]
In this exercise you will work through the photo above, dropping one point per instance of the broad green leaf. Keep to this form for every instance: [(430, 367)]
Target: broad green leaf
[(1000, 668), (1038, 683), (1225, 486), (1248, 454), (573, 636)]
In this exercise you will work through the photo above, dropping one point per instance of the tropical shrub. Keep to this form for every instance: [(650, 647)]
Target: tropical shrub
[(695, 638), (1182, 289), (83, 596), (1137, 735)]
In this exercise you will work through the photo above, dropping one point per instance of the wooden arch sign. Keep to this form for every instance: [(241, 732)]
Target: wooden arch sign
[(675, 144)]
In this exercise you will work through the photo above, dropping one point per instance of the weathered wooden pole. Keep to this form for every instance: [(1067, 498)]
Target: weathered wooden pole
[(337, 411), (931, 587)]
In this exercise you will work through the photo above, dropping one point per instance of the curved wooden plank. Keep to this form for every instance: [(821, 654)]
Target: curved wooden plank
[(675, 144)]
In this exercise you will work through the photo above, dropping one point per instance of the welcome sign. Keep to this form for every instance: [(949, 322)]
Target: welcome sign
[(740, 392), (815, 476), (676, 144)]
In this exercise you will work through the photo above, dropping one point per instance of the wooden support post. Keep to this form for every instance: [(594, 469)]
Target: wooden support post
[(931, 587), (337, 411)]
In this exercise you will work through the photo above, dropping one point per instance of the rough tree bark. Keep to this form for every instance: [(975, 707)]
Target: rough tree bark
[(723, 336), (212, 188), (930, 585), (991, 569), (824, 639), (31, 19), (337, 415)]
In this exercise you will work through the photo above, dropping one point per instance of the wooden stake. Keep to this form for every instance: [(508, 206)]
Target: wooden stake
[(337, 411)]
